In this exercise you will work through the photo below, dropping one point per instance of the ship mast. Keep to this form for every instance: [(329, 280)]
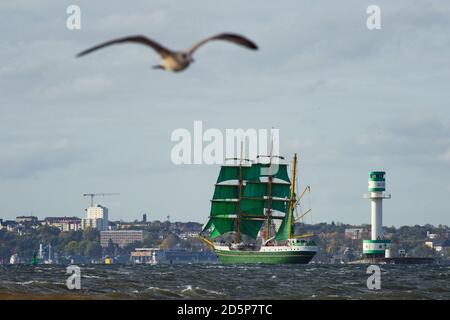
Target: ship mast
[(292, 199), (238, 218), (269, 199)]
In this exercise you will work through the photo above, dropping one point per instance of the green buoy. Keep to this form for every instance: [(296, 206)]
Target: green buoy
[(34, 259)]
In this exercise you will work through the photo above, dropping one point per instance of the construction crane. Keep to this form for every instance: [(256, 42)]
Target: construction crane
[(92, 195)]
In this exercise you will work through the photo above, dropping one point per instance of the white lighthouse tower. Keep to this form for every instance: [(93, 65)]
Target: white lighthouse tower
[(377, 247)]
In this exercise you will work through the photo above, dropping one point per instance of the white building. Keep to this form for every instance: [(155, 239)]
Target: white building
[(438, 245), (188, 235), (356, 233), (431, 235), (97, 218), (92, 224), (64, 223)]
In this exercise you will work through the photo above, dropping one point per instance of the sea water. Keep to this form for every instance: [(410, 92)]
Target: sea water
[(215, 281)]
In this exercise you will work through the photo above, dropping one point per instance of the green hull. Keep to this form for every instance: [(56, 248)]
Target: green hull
[(240, 257)]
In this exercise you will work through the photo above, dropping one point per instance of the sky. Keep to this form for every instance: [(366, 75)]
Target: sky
[(347, 99)]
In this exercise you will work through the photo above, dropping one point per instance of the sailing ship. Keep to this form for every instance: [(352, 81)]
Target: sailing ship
[(253, 204)]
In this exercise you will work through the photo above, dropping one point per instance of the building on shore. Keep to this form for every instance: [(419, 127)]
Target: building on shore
[(356, 233), (92, 224), (124, 225), (63, 223), (120, 237), (144, 256), (439, 245), (32, 220), (96, 218), (10, 225)]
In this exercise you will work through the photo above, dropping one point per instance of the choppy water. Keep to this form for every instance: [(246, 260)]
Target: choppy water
[(225, 282)]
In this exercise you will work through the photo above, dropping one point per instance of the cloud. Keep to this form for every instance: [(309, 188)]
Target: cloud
[(444, 157), (25, 159), (94, 85), (413, 141), (136, 21)]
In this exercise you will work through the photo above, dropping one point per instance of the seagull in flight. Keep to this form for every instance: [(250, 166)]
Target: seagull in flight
[(174, 60)]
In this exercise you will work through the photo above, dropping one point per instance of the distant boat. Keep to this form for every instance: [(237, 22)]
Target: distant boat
[(144, 256), (34, 260), (108, 260), (14, 259)]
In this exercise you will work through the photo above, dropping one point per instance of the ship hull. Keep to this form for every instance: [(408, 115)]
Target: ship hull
[(242, 257)]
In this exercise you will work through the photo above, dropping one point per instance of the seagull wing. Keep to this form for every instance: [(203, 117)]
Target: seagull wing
[(163, 52), (235, 38)]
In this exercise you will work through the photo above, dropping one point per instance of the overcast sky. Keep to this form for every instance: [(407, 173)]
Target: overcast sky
[(347, 99)]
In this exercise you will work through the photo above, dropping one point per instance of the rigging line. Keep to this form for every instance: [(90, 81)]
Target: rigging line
[(297, 187), (310, 205), (269, 209)]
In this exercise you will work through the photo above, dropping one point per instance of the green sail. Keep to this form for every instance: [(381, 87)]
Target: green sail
[(223, 207), (251, 227), (260, 189), (225, 191), (286, 225), (232, 173), (219, 226), (250, 205), (280, 205), (259, 170), (214, 233), (223, 219), (283, 232)]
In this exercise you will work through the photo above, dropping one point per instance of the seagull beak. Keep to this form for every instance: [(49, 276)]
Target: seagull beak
[(191, 60)]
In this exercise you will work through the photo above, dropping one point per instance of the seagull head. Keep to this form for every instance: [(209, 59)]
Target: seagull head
[(187, 57)]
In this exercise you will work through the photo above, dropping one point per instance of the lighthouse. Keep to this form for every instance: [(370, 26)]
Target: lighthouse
[(377, 246)]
